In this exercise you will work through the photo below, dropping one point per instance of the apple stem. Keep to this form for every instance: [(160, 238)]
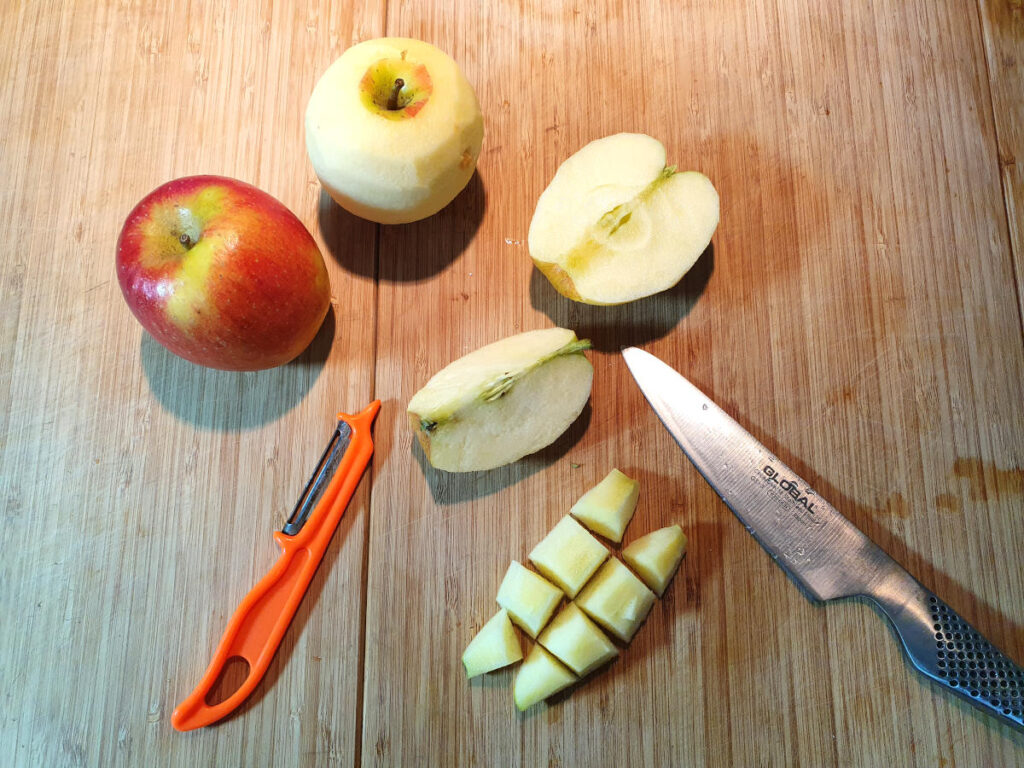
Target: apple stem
[(185, 240), (393, 98)]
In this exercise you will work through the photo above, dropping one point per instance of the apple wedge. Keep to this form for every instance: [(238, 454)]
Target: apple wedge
[(576, 641), (616, 599), (540, 676), (608, 507), (568, 556), (529, 599), (616, 224), (496, 645), (656, 556), (502, 401)]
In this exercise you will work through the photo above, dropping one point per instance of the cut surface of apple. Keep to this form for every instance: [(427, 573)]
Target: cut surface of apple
[(496, 645), (615, 224), (576, 641), (616, 599), (540, 676), (529, 599), (608, 507), (656, 556), (568, 556), (502, 401)]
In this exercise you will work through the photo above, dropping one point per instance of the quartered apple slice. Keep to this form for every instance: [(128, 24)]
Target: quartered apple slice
[(502, 401), (616, 224)]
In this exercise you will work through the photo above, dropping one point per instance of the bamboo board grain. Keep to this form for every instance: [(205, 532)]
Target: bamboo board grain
[(859, 311)]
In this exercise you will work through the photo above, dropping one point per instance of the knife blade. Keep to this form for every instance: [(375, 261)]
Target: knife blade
[(821, 550)]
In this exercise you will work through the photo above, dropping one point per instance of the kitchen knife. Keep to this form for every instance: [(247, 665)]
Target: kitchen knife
[(822, 550)]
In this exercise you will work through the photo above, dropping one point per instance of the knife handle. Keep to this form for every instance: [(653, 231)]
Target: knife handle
[(257, 626), (943, 646)]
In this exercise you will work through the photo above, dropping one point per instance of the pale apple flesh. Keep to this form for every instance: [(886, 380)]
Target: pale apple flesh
[(656, 556), (222, 274), (616, 599), (576, 641), (568, 556), (607, 508), (616, 224), (503, 401), (496, 645), (530, 599), (393, 130), (540, 676)]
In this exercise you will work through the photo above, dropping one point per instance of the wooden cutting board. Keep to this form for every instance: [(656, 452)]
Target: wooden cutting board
[(859, 310)]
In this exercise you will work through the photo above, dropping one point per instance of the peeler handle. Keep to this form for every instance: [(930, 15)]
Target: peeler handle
[(257, 626), (945, 648)]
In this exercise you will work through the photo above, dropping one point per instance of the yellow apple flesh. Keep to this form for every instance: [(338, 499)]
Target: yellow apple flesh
[(393, 130)]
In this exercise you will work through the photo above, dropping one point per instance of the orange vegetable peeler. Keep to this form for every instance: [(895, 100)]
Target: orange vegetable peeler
[(258, 625)]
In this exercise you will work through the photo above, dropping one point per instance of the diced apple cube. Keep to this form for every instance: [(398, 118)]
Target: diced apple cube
[(576, 641), (608, 507), (616, 599), (656, 556), (540, 676), (529, 599), (568, 556), (496, 645)]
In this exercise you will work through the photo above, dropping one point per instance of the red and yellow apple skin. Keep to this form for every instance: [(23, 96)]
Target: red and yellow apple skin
[(222, 274)]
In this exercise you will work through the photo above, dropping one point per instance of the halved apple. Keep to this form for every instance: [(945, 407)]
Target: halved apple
[(529, 599), (540, 676), (496, 645), (502, 401), (616, 224), (656, 556)]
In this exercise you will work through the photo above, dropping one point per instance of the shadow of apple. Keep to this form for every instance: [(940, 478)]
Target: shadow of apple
[(233, 400), (633, 324), (405, 252)]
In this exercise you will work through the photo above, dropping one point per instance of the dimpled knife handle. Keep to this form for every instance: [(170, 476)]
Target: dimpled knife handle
[(954, 654)]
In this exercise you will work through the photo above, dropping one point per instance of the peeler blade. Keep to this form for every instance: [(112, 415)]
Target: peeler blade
[(320, 479)]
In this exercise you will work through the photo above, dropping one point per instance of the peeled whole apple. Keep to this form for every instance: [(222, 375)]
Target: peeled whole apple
[(222, 274), (502, 401), (615, 224), (393, 130)]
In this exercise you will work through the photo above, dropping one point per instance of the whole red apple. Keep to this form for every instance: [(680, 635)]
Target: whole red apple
[(222, 274)]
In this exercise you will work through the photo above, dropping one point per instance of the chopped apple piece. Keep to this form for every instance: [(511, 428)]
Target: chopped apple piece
[(616, 599), (496, 645), (529, 599), (656, 556), (576, 641), (608, 507), (568, 556), (502, 401), (540, 676)]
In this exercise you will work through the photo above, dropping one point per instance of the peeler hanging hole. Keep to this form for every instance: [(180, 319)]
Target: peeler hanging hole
[(230, 679)]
